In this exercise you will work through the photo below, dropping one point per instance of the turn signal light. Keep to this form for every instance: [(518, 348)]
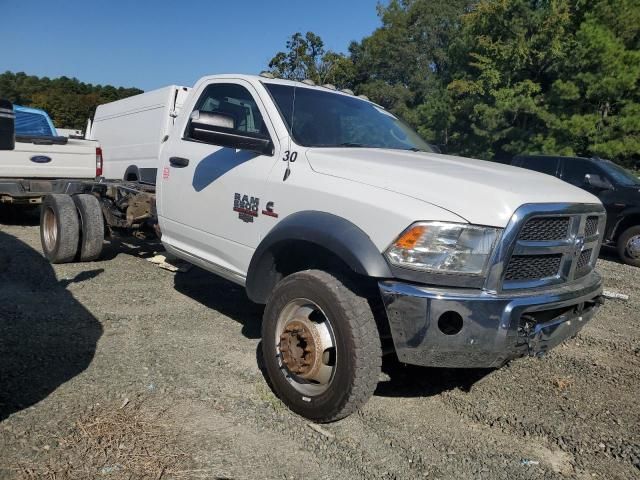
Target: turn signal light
[(411, 237)]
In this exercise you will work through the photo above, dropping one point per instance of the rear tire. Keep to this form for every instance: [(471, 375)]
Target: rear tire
[(92, 227), (629, 246), (59, 228), (344, 348)]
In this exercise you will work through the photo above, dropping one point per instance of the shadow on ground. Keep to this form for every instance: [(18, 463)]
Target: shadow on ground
[(140, 248), (610, 253), (413, 381), (223, 296), (46, 336), (27, 216)]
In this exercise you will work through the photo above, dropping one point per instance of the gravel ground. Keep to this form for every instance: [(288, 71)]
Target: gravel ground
[(119, 369)]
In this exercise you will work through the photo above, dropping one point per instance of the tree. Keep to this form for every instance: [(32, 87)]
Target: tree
[(68, 101), (306, 58), (554, 76), (494, 78), (405, 64)]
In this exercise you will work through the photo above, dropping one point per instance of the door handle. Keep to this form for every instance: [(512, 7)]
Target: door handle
[(178, 162)]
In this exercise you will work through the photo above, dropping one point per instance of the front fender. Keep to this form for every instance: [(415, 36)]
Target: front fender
[(331, 232)]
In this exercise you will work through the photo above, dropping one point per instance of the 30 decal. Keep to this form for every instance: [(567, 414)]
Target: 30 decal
[(290, 156)]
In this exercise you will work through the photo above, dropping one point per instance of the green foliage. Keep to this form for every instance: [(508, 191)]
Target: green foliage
[(306, 58), (555, 76), (68, 101), (494, 78)]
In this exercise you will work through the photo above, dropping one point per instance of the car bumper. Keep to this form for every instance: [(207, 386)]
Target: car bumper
[(31, 191), (472, 328)]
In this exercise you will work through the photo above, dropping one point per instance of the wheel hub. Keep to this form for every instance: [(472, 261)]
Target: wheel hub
[(633, 246), (299, 347), (50, 229)]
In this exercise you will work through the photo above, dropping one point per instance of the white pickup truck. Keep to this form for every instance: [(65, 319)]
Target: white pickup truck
[(358, 238), (42, 161)]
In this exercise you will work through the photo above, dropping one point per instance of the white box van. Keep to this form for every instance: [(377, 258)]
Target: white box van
[(131, 132)]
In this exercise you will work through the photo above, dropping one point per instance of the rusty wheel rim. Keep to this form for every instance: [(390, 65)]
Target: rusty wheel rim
[(305, 346), (49, 229)]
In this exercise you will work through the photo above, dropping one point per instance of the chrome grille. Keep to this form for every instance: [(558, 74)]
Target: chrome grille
[(529, 267), (591, 227), (545, 228), (547, 244), (584, 259)]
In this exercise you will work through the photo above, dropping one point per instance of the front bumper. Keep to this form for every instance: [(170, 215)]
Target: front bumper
[(473, 328)]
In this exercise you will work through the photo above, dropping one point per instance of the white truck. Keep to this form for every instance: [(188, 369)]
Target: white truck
[(358, 238), (43, 162)]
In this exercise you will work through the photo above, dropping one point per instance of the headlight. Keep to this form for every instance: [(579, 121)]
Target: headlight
[(444, 247)]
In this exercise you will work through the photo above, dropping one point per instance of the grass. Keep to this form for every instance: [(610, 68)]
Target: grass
[(114, 442), (267, 396)]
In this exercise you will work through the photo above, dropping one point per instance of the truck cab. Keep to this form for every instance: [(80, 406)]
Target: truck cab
[(617, 189)]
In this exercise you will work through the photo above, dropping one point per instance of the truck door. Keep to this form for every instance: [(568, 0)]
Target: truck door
[(210, 198), (575, 170)]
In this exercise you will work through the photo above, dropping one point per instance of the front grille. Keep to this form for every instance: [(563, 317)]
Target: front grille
[(583, 259), (591, 227), (532, 267), (545, 229), (549, 247)]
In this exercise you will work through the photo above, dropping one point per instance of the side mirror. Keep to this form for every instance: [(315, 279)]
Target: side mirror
[(219, 129), (597, 181), (7, 126)]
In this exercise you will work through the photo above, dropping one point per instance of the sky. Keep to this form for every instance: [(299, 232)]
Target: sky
[(149, 44)]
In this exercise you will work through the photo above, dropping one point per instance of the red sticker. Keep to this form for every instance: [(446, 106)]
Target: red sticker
[(165, 172)]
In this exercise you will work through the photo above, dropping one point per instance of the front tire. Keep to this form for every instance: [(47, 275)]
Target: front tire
[(321, 345), (629, 246), (59, 228)]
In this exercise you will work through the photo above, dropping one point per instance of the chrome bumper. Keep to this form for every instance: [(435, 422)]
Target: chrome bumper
[(493, 328)]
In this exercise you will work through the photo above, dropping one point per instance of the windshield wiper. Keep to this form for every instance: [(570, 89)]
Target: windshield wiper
[(352, 144)]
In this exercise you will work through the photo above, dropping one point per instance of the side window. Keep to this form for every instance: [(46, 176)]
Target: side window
[(235, 101), (548, 165), (32, 124), (574, 171)]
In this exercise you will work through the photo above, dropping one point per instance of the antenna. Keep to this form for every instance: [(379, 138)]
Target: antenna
[(287, 172)]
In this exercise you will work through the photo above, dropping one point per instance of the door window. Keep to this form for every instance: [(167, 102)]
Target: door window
[(574, 171), (235, 101), (548, 165)]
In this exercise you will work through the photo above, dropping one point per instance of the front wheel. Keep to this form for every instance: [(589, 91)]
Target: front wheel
[(629, 246), (321, 346)]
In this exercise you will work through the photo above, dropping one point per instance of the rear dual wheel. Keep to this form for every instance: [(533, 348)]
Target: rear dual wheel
[(71, 228), (321, 345)]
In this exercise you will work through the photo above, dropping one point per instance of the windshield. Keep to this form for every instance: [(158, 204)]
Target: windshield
[(326, 119), (619, 174)]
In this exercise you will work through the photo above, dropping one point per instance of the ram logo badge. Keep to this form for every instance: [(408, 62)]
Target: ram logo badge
[(246, 206)]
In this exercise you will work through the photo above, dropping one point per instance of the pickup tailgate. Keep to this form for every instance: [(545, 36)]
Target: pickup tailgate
[(75, 159)]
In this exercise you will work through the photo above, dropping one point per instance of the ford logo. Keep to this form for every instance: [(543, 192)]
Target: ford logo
[(40, 159)]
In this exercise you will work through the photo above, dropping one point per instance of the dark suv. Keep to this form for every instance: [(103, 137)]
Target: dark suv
[(617, 189)]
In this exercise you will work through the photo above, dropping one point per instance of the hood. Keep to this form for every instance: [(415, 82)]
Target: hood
[(481, 192)]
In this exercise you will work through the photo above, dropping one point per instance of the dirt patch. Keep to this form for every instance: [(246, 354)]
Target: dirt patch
[(78, 340)]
